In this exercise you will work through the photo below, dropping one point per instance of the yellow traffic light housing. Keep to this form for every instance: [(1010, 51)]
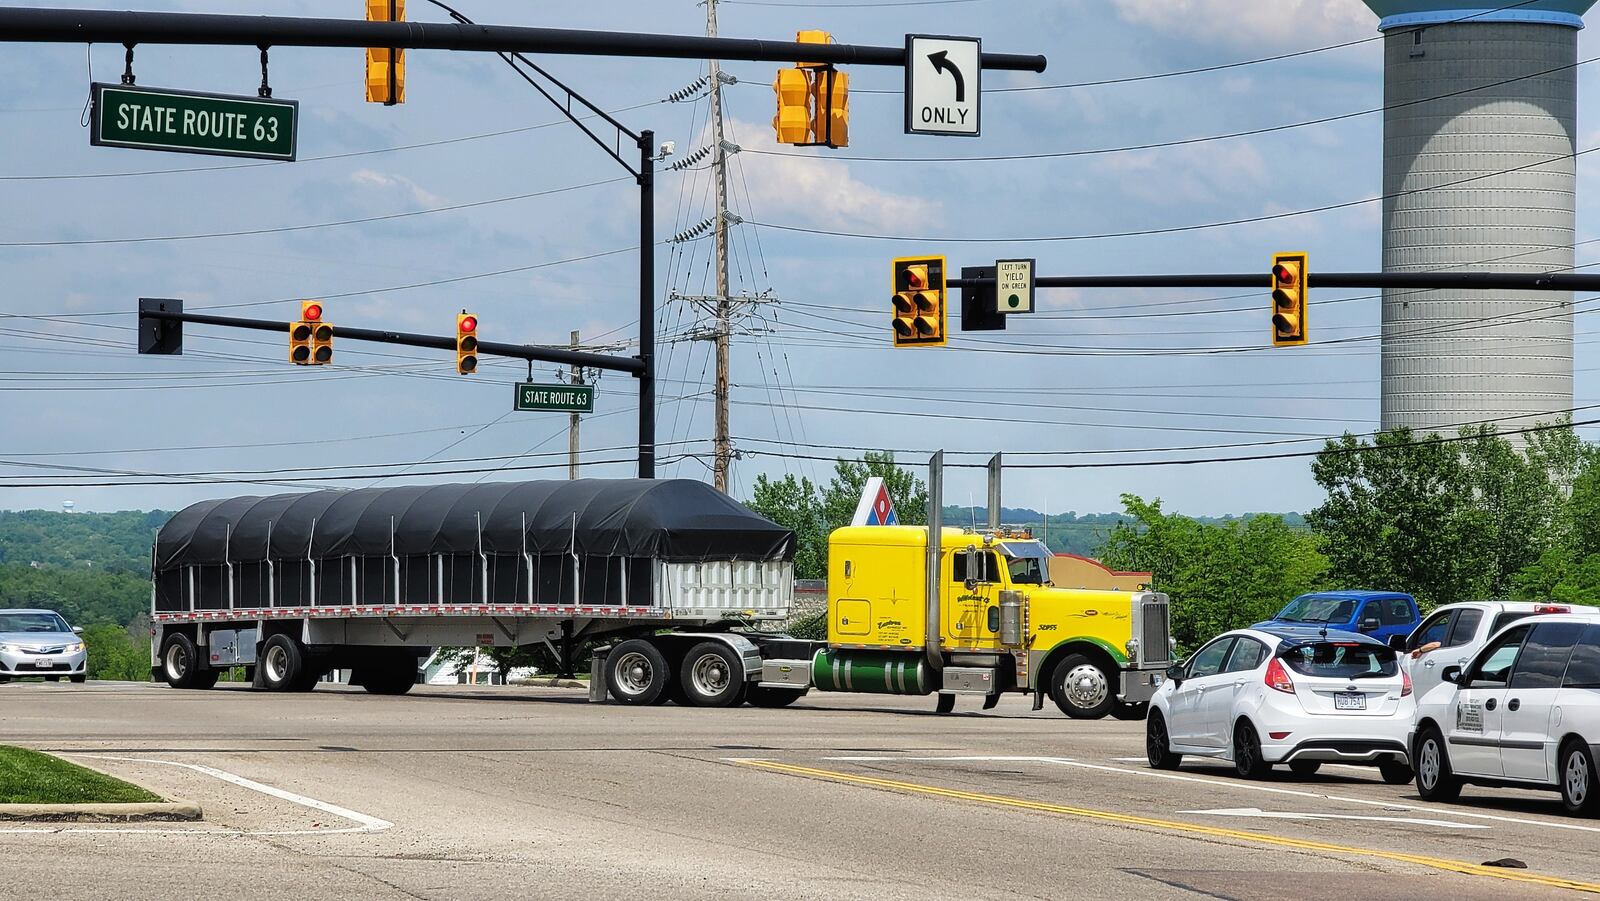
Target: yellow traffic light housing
[(813, 101), (386, 66), (310, 339), (920, 316), (466, 343), (1289, 274), (300, 343)]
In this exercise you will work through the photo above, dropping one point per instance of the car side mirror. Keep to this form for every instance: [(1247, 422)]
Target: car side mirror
[(77, 630), (1175, 674), (1451, 674), (1370, 624)]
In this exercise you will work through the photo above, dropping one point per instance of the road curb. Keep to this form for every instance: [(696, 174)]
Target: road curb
[(167, 811)]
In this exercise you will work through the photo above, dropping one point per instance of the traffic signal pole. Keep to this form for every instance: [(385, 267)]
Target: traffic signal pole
[(1483, 281)]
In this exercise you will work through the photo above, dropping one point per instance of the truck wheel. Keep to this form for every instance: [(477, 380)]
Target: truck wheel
[(757, 696), (282, 664), (712, 675), (1082, 688), (637, 672), (180, 664), (392, 674)]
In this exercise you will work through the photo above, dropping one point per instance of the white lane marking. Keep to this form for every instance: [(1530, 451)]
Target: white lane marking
[(366, 823), (1258, 813), (1128, 759), (1249, 786)]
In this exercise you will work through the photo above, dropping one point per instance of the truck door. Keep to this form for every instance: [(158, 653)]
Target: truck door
[(974, 587)]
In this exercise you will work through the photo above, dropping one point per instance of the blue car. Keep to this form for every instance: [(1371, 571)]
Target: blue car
[(1381, 614)]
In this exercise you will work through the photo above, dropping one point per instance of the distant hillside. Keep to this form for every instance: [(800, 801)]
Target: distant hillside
[(1075, 533), (115, 542)]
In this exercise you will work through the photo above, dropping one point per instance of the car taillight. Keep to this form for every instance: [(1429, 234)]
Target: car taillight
[(1551, 608), (1277, 677), (1405, 684)]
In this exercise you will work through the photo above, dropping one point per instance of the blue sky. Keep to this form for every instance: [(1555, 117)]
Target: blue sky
[(1092, 371)]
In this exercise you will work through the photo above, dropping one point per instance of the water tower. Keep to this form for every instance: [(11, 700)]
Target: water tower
[(1468, 92)]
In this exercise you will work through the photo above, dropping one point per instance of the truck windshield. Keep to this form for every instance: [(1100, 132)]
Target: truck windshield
[(1312, 609), (1027, 562)]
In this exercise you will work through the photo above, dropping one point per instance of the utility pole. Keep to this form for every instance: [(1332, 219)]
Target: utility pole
[(721, 444), (572, 425)]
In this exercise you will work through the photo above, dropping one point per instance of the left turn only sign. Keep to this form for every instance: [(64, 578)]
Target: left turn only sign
[(942, 88)]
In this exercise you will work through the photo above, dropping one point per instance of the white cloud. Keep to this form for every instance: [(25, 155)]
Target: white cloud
[(395, 184), (1287, 24), (819, 191), (1200, 173)]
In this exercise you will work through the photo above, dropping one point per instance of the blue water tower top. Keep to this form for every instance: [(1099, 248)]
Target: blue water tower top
[(1398, 13)]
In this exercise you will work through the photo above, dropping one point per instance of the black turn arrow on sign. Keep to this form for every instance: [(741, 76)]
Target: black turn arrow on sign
[(941, 63)]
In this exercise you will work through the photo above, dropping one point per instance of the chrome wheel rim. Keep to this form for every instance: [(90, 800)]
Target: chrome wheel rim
[(1428, 765), (634, 673), (277, 664), (177, 662), (1577, 778), (710, 675), (1087, 687)]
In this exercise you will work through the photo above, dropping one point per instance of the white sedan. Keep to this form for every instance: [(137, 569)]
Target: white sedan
[(1295, 696)]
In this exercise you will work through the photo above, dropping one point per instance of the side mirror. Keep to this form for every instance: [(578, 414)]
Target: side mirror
[(1398, 642), (1451, 674), (1370, 624), (1175, 674), (971, 584), (77, 630)]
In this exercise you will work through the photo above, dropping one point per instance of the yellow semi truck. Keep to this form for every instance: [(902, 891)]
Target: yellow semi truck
[(1000, 625)]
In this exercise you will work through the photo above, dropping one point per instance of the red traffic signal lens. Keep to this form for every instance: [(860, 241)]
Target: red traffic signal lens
[(1283, 275), (468, 324), (311, 311)]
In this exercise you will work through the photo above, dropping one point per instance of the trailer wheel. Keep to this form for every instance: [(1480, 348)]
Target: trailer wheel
[(282, 664), (180, 664), (637, 672), (712, 676), (758, 696), (1082, 688), (387, 674)]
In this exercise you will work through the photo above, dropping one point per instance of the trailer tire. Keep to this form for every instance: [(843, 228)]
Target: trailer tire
[(758, 696), (712, 675), (180, 664), (1082, 688), (282, 665), (637, 673), (387, 674)]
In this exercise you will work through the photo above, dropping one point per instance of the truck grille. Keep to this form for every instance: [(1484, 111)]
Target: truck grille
[(1154, 631)]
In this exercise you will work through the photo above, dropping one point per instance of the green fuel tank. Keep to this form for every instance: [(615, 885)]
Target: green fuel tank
[(873, 672)]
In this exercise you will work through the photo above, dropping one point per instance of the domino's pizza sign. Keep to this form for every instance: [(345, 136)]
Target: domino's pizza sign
[(875, 507)]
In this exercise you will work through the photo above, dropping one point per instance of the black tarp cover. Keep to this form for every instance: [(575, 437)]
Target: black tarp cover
[(677, 520)]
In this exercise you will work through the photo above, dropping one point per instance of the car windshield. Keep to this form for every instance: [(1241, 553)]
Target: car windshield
[(32, 622), (1027, 562), (1342, 660), (1312, 609)]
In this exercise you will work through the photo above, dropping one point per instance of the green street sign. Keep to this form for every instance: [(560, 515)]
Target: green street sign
[(193, 122), (560, 398)]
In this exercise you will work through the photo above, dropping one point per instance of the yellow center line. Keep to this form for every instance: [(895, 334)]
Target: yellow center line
[(1439, 863)]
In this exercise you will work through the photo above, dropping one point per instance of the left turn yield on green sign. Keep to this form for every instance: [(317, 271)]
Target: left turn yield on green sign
[(193, 122)]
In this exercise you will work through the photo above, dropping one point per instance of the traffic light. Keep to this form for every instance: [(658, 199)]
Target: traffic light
[(466, 343), (386, 66), (310, 339), (919, 310), (793, 120), (1289, 274), (813, 101)]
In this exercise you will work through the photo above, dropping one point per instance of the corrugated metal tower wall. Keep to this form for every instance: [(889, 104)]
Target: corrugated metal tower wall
[(1454, 357)]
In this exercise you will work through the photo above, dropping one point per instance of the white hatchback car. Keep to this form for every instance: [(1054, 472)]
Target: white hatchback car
[(1523, 713), (1452, 634), (1296, 696)]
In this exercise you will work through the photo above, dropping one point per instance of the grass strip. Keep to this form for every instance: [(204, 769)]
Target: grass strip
[(29, 777)]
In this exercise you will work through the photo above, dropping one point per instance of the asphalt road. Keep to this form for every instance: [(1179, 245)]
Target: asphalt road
[(482, 793)]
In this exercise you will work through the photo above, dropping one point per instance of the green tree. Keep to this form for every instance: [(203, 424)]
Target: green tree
[(796, 504), (1219, 575), (909, 493), (116, 655)]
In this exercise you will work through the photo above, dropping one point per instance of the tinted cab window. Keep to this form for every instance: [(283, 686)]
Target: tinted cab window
[(1545, 654), (1493, 667), (1583, 670), (1465, 628)]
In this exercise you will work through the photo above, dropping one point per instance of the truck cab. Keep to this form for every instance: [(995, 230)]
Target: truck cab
[(1004, 626)]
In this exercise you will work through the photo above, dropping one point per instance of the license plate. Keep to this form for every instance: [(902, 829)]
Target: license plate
[(44, 662), (1349, 701)]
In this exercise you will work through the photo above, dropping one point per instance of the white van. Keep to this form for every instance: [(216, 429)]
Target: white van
[(1523, 713), (1452, 634)]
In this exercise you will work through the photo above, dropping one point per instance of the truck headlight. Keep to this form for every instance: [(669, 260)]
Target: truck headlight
[(1133, 649)]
